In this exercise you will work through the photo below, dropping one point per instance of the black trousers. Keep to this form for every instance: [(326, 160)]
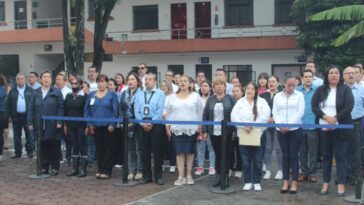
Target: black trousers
[(20, 123), (216, 144), (50, 154), (104, 144), (236, 163), (119, 146), (152, 142), (78, 138)]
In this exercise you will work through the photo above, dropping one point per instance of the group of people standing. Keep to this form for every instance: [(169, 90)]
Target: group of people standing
[(337, 99)]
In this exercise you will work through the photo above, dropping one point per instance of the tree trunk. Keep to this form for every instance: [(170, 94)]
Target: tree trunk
[(80, 37), (68, 50), (101, 21)]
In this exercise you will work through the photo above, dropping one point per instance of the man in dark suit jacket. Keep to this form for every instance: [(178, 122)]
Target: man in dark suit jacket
[(17, 107)]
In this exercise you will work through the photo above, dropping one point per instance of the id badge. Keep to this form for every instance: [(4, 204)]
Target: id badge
[(146, 111), (92, 101)]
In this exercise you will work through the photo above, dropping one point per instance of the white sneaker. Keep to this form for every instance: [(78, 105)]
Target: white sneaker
[(172, 169), (257, 187), (190, 181), (180, 181), (199, 171), (118, 166), (237, 174), (248, 187), (212, 171), (264, 168), (130, 176), (231, 173), (267, 175), (279, 175), (138, 176)]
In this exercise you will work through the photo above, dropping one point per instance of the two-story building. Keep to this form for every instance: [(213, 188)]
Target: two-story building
[(246, 37)]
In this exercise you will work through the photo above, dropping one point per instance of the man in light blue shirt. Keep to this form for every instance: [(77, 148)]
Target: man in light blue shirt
[(149, 105), (357, 115), (16, 107), (309, 144)]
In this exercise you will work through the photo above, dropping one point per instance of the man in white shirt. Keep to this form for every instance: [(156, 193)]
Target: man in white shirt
[(61, 82), (221, 73), (33, 80), (200, 78), (91, 76), (310, 65), (168, 76), (142, 70)]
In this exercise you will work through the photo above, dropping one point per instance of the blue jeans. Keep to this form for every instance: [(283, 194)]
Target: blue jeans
[(90, 149), (332, 143), (270, 145), (201, 150), (290, 145), (252, 163), (135, 163)]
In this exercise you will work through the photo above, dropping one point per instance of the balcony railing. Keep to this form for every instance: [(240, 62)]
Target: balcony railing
[(194, 33), (40, 23)]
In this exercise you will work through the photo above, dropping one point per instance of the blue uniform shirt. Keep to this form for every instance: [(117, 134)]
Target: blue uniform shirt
[(308, 116), (151, 100), (358, 110)]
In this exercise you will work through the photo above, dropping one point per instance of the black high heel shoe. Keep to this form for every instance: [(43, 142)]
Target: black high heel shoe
[(325, 192), (285, 191)]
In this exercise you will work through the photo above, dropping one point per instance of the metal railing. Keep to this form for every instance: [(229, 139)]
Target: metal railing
[(211, 32), (40, 23)]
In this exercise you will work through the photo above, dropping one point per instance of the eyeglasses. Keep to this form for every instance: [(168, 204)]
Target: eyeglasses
[(141, 68)]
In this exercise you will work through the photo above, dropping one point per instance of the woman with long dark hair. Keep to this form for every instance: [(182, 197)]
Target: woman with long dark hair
[(205, 92), (263, 83), (134, 139), (332, 103), (251, 109), (270, 134)]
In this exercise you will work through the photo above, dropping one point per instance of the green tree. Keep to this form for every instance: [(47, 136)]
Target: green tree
[(352, 13), (103, 9), (74, 37), (316, 37)]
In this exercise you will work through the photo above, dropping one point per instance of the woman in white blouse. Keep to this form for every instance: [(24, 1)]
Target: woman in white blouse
[(185, 105), (251, 109), (288, 108)]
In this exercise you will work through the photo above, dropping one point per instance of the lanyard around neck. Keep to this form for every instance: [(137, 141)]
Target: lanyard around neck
[(150, 98)]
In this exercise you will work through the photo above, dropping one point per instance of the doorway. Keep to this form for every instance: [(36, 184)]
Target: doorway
[(202, 20), (179, 21), (20, 12)]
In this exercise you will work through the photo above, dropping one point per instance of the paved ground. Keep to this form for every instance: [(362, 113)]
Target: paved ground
[(200, 194), (17, 189)]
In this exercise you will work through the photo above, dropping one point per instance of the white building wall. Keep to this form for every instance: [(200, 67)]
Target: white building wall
[(261, 61)]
